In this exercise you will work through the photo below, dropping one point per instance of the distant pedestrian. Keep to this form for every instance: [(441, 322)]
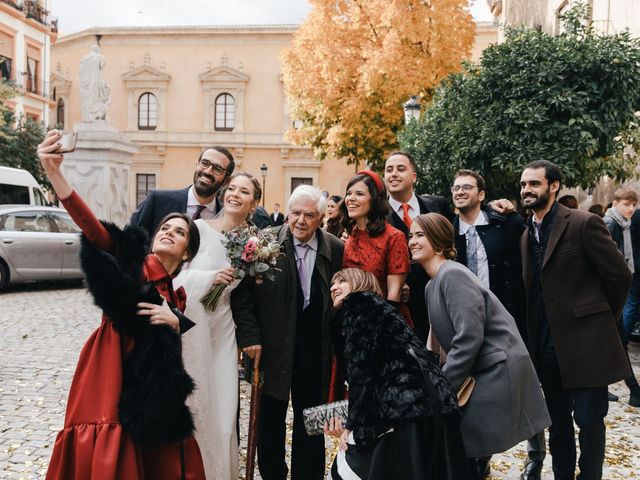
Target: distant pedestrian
[(597, 209), (619, 222), (334, 216), (277, 218), (568, 201), (577, 283)]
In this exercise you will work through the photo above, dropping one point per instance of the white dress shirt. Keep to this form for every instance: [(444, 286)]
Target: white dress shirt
[(483, 261), (209, 211), (414, 207)]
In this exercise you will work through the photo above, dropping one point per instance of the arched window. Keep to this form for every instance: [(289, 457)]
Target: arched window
[(225, 112), (147, 112), (60, 113)]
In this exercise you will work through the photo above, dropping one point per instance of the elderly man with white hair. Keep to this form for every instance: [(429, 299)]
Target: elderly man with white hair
[(284, 326)]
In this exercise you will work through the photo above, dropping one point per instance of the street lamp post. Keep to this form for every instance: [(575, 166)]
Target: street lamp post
[(263, 170), (411, 109)]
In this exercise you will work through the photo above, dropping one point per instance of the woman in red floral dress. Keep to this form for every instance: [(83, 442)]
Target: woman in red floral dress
[(126, 415), (374, 246)]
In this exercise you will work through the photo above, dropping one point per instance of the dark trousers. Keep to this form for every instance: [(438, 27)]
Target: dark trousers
[(307, 453), (589, 406)]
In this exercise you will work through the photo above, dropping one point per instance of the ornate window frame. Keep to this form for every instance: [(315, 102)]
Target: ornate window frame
[(215, 82), (141, 80)]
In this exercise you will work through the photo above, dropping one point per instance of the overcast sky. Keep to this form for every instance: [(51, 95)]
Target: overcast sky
[(76, 15)]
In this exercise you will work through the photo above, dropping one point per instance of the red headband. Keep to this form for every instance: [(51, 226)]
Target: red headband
[(375, 177)]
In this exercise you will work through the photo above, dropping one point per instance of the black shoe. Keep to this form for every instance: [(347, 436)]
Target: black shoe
[(634, 400), (532, 470), (612, 397), (483, 467)]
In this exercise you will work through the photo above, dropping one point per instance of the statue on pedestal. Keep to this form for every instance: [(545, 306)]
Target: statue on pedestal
[(95, 94)]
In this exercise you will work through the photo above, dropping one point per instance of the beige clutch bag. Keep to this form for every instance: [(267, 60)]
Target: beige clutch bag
[(465, 391)]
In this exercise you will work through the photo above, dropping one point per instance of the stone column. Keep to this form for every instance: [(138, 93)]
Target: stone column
[(99, 170)]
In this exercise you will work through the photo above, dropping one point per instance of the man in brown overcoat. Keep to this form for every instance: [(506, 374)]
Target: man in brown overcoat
[(577, 283)]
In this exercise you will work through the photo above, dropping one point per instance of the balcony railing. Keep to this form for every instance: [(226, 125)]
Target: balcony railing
[(25, 84), (32, 9), (12, 3)]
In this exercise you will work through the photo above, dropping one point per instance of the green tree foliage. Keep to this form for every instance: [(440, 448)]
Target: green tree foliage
[(571, 99), (19, 138)]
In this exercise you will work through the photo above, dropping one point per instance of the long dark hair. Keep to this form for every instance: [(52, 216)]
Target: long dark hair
[(378, 212), (194, 234)]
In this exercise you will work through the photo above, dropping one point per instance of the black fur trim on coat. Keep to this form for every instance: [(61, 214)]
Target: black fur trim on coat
[(155, 384), (387, 381)]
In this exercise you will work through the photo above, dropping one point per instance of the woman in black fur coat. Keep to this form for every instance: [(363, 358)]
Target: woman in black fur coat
[(126, 414), (403, 419)]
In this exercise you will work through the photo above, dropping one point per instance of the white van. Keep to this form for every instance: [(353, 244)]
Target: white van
[(18, 186)]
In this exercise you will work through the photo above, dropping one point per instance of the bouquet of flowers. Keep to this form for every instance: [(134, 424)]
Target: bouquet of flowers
[(250, 251)]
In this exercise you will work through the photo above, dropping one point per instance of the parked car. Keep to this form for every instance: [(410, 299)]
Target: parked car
[(37, 243), (18, 186)]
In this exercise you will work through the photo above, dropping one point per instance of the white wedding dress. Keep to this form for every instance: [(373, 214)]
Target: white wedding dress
[(211, 357)]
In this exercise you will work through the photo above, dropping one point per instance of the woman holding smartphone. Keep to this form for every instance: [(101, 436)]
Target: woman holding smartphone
[(126, 414)]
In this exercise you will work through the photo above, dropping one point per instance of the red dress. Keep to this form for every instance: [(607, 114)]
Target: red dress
[(386, 254), (93, 445)]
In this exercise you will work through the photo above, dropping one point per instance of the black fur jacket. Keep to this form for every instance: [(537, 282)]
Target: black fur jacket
[(155, 384), (392, 377)]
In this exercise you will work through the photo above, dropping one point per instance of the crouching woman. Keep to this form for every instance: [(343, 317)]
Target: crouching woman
[(403, 420)]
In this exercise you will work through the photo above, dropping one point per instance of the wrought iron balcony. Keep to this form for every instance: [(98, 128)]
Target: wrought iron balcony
[(32, 9)]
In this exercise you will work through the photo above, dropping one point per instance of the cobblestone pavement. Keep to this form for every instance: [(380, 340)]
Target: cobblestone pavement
[(43, 327)]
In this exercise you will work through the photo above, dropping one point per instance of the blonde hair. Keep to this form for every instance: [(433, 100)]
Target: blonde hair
[(359, 280), (439, 232)]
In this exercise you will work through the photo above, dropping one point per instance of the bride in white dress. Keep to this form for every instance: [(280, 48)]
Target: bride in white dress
[(209, 349)]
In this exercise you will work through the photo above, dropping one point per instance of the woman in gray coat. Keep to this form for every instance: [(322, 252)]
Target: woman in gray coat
[(480, 339)]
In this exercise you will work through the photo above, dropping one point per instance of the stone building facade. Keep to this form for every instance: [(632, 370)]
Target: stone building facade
[(26, 34), (175, 90)]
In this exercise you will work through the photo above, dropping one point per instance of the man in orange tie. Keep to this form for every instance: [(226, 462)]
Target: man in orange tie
[(400, 177)]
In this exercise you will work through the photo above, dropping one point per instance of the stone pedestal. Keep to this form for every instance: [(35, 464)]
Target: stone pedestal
[(99, 170)]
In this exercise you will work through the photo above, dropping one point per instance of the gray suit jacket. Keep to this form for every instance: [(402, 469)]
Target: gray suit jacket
[(481, 339)]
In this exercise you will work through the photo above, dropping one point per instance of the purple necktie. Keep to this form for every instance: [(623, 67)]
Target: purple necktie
[(198, 212), (301, 254)]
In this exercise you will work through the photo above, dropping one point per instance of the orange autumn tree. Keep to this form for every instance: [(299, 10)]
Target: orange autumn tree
[(353, 63)]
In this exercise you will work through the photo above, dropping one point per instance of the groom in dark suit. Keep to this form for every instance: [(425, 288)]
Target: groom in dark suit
[(198, 200)]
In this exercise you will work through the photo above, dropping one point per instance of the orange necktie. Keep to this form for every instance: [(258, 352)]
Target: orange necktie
[(406, 218)]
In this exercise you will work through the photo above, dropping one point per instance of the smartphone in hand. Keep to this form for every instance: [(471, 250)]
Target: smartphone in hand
[(67, 141)]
